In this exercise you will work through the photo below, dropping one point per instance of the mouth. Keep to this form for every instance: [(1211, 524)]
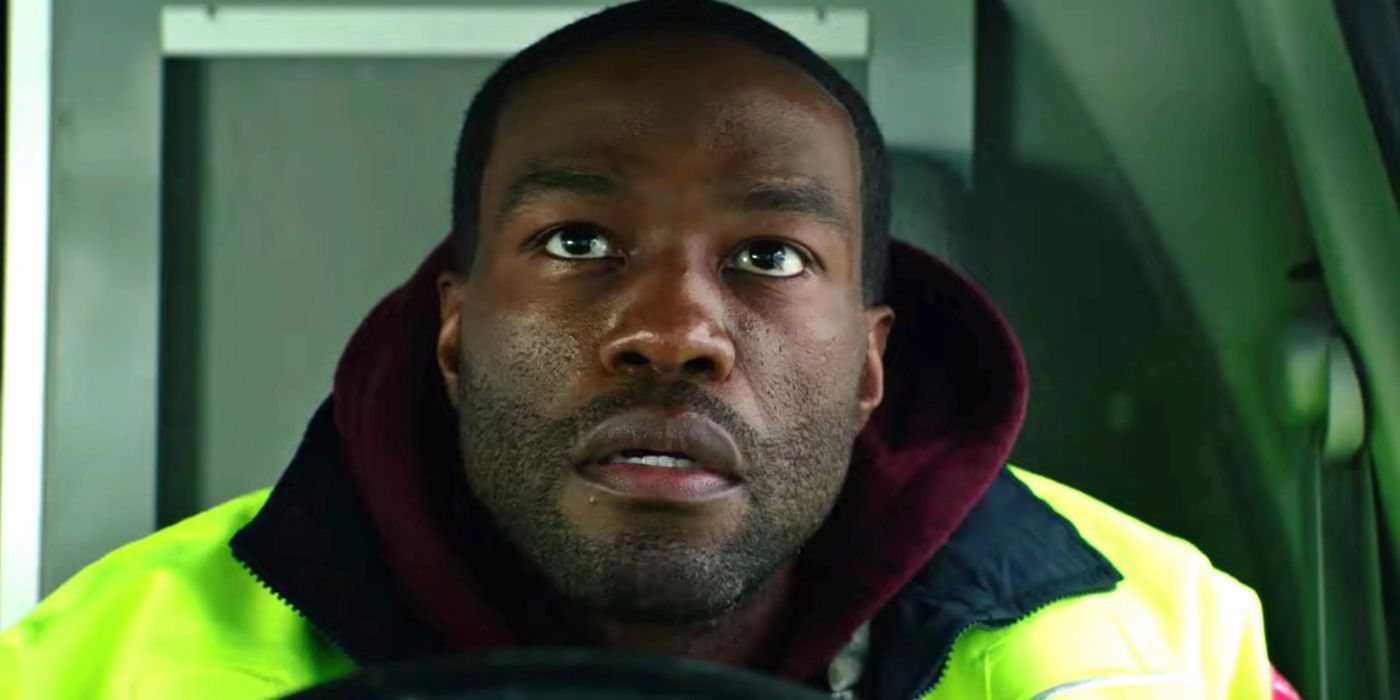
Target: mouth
[(647, 456), (651, 459)]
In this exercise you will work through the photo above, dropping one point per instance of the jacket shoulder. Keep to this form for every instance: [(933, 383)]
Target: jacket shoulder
[(1118, 536), (1174, 627), (170, 615)]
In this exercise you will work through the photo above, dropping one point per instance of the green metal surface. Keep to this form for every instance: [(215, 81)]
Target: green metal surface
[(1354, 216), (1167, 171), (1138, 220)]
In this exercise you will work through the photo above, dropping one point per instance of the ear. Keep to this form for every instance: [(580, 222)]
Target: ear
[(878, 321), (449, 341)]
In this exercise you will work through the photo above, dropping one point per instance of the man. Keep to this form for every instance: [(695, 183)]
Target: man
[(638, 400)]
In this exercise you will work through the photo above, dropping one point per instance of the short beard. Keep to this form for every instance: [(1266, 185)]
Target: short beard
[(517, 462)]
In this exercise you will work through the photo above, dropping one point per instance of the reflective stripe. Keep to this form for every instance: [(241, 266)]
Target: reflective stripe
[(1133, 681)]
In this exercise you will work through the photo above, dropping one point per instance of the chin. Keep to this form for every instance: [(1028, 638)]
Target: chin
[(652, 580)]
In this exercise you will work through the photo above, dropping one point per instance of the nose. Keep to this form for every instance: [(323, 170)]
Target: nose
[(671, 325)]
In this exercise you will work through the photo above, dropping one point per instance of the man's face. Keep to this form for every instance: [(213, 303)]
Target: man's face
[(660, 355)]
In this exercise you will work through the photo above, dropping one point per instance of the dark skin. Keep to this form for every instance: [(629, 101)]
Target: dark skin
[(669, 252)]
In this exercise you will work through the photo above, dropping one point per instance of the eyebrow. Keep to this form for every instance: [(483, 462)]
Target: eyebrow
[(798, 197), (789, 196), (543, 180)]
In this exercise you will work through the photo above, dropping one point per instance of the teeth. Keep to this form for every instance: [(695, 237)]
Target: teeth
[(652, 460)]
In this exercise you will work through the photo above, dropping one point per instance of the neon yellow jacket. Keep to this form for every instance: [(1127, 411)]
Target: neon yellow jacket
[(1175, 627), (174, 615)]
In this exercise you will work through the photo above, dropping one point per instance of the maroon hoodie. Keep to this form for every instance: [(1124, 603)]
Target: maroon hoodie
[(954, 400)]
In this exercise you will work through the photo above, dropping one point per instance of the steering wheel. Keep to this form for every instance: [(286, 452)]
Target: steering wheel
[(544, 674)]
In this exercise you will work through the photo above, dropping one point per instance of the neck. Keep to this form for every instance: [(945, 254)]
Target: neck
[(743, 637)]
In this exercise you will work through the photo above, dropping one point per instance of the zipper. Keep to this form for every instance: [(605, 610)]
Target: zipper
[(927, 692), (328, 635)]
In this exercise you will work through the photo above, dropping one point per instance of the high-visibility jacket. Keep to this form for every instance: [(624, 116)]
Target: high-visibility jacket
[(176, 615)]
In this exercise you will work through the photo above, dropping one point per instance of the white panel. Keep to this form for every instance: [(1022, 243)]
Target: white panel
[(26, 308), (234, 31)]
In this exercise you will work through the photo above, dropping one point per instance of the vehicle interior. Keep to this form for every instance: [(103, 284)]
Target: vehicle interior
[(1188, 210)]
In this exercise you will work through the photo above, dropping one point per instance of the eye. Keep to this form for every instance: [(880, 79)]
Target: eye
[(769, 258), (578, 242)]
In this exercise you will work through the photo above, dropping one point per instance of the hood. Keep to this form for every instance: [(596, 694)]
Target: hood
[(954, 400)]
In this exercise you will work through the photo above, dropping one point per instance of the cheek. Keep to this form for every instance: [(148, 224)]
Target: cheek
[(802, 364), (533, 352)]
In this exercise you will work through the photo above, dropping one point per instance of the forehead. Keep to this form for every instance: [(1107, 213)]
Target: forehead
[(680, 102)]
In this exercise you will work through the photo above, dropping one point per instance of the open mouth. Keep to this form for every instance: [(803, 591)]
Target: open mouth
[(638, 480), (651, 459), (647, 455)]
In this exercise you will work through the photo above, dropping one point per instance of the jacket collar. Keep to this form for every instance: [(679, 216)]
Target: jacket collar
[(1011, 556), (313, 545)]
